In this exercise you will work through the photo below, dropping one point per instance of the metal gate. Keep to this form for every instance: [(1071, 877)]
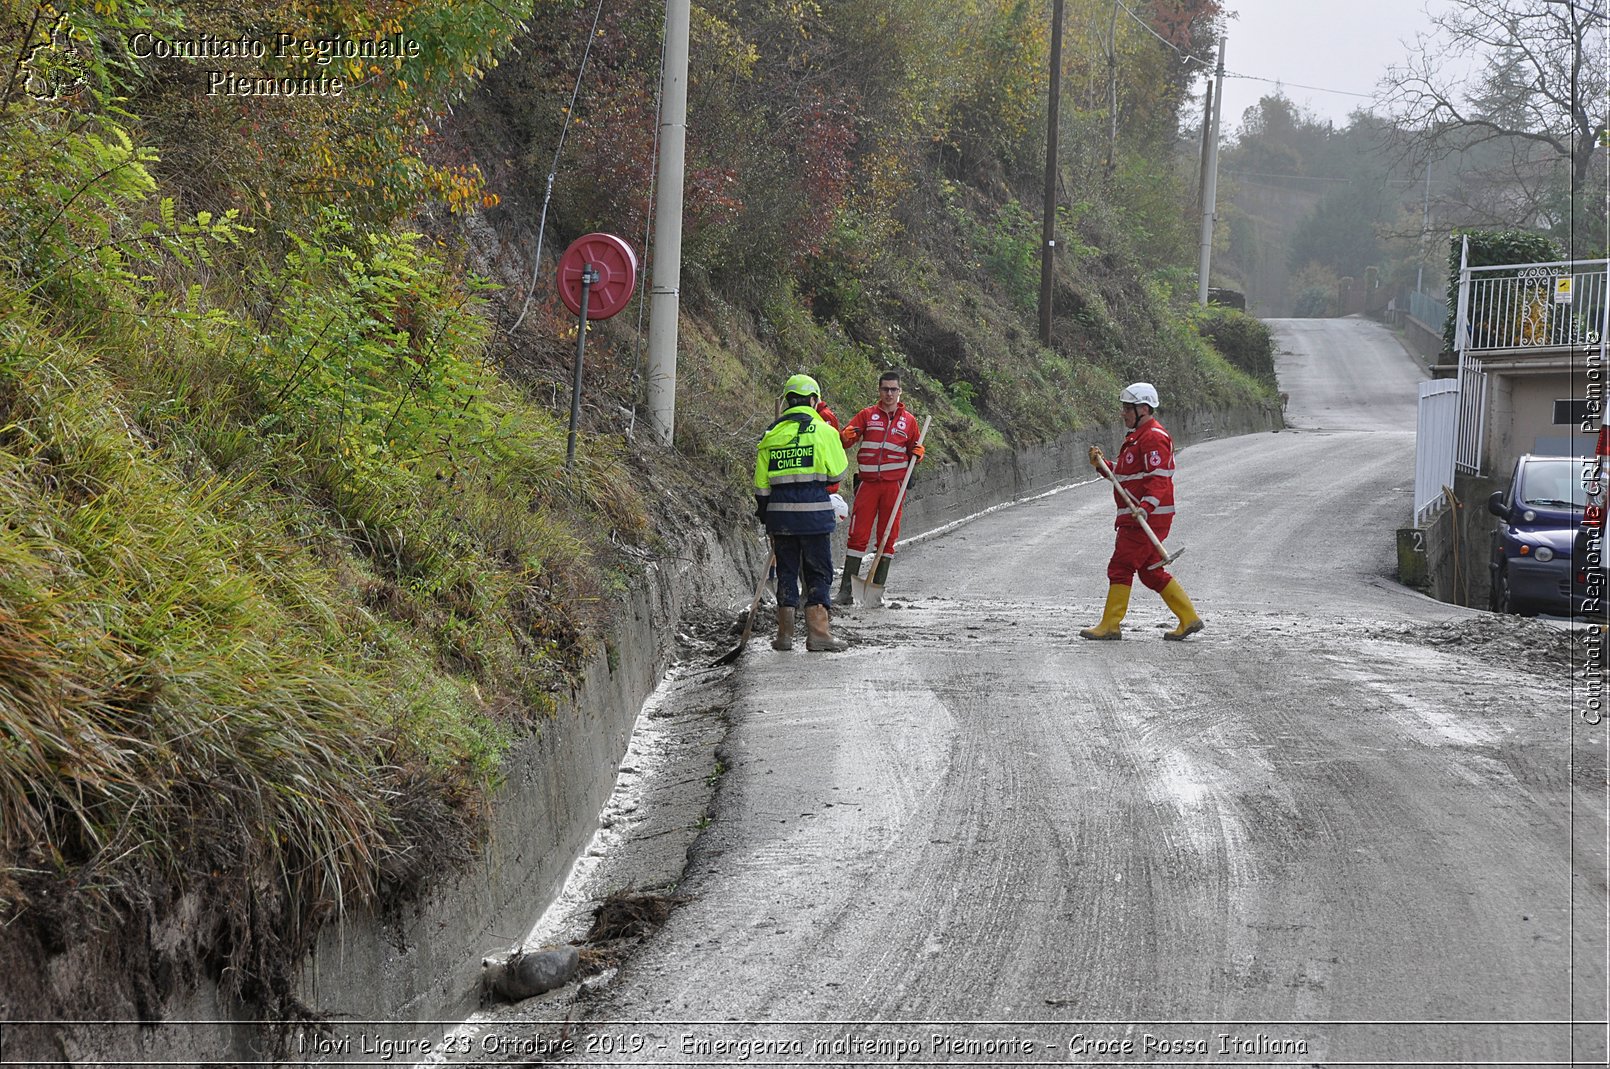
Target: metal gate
[(1435, 439)]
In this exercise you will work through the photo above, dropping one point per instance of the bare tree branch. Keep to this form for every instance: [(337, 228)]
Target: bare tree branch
[(1522, 71)]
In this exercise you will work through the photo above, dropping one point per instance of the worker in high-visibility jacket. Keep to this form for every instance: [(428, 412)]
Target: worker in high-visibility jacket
[(1145, 468), (888, 436), (797, 470)]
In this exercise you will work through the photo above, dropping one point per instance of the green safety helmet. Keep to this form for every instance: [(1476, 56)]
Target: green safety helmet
[(802, 386)]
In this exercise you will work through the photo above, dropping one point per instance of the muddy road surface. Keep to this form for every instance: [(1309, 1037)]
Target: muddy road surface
[(1343, 825)]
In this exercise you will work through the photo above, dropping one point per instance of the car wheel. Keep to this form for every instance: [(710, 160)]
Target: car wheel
[(1506, 599)]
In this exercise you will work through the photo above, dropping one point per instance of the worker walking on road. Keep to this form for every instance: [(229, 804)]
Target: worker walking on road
[(798, 466), (889, 444), (1145, 467)]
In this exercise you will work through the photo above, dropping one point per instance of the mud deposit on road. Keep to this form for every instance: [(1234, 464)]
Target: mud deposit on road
[(1514, 643), (1235, 778)]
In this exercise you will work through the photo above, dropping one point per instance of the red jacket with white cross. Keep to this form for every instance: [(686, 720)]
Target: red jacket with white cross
[(1145, 467)]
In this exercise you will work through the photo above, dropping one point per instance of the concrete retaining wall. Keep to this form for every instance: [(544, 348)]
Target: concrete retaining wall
[(1447, 559), (1422, 340), (423, 964), (942, 493)]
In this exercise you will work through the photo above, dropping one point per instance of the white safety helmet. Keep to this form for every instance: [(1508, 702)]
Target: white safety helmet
[(1139, 393)]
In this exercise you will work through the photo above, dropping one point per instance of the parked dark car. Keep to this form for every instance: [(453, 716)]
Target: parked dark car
[(1538, 519)]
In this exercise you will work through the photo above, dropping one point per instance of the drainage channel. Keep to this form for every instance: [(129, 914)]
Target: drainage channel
[(655, 812)]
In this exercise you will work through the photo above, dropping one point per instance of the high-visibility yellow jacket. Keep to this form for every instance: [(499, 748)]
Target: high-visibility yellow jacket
[(799, 462)]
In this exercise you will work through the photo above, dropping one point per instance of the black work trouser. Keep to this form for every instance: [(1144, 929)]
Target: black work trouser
[(804, 556)]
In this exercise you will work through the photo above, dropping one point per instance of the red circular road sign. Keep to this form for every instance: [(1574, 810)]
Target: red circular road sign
[(615, 265)]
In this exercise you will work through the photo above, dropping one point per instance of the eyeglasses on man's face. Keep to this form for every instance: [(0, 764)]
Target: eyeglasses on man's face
[(889, 389)]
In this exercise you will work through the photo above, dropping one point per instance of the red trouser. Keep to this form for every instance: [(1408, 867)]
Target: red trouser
[(873, 500), (1134, 551)]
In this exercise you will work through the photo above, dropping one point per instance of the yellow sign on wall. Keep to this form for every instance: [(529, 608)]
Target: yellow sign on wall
[(1562, 289)]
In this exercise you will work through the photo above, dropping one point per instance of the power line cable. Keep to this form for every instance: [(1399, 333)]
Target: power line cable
[(648, 231), (1143, 24), (553, 169), (1321, 178), (1205, 64), (1299, 85)]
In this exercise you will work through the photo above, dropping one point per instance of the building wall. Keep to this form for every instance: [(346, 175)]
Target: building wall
[(1520, 418)]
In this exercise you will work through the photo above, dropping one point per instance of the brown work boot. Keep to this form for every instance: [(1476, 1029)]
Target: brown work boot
[(818, 638), (785, 628)]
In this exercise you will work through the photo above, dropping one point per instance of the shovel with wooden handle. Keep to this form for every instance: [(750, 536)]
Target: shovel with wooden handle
[(1139, 513), (868, 592), (754, 607)]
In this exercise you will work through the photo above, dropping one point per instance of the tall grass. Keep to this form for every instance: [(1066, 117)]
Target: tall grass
[(245, 662), (163, 716)]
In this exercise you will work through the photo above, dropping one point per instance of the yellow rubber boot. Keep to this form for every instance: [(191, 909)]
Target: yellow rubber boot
[(1112, 615), (1190, 623)]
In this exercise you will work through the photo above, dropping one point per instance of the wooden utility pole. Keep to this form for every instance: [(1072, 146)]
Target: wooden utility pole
[(1048, 226), (1207, 131), (1112, 91), (1210, 183)]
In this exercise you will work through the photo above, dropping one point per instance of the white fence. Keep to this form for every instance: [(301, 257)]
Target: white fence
[(1471, 388), (1436, 433), (1530, 306), (1516, 308)]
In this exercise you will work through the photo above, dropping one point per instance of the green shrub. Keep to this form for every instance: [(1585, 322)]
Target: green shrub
[(1011, 247), (372, 348), (1490, 248), (1241, 339), (1312, 302)]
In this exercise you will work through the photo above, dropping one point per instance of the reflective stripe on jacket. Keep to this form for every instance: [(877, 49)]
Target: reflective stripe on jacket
[(886, 442), (799, 457), (1145, 467)]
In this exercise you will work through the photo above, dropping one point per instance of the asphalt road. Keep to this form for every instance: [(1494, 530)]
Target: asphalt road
[(1343, 825)]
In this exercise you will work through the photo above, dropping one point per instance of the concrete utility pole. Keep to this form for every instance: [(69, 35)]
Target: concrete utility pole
[(1048, 227), (666, 289), (1425, 234), (1210, 184)]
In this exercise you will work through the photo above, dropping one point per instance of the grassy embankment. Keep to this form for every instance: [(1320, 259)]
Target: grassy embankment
[(284, 563)]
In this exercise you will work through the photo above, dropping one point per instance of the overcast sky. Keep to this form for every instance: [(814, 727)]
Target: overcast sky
[(1331, 44)]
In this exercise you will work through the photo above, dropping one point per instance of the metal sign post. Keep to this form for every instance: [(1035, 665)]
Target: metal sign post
[(588, 277), (599, 269)]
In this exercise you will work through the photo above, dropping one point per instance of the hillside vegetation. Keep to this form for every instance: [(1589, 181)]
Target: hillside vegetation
[(289, 549)]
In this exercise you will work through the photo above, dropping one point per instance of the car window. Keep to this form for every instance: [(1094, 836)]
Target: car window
[(1553, 484)]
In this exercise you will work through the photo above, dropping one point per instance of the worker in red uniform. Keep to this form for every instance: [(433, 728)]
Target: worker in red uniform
[(1145, 467), (888, 435), (827, 414)]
